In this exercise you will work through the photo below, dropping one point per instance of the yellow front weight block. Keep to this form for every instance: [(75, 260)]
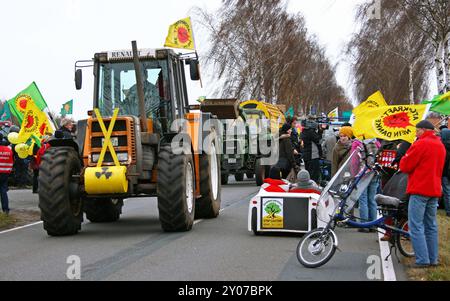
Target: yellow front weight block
[(106, 180)]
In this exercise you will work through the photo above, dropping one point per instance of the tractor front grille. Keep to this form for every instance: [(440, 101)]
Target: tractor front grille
[(123, 132)]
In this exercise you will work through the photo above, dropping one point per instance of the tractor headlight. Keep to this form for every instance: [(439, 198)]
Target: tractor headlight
[(122, 157)]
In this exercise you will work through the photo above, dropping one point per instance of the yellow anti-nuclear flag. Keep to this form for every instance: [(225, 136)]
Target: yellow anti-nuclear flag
[(34, 122), (375, 100), (389, 123), (181, 35)]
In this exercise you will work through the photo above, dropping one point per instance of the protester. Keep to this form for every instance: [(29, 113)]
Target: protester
[(424, 163), (67, 127), (341, 151), (286, 161), (305, 184), (292, 121), (368, 211), (36, 162), (312, 151), (6, 166), (445, 136)]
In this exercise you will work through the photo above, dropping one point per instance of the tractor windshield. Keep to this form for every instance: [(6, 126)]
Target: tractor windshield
[(118, 89)]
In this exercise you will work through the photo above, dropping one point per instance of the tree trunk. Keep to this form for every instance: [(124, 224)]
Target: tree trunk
[(440, 68), (447, 61), (411, 84)]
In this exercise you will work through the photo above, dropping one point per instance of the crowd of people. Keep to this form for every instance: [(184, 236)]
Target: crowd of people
[(424, 163), (10, 161)]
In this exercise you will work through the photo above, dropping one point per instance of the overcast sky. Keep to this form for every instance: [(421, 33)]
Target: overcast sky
[(41, 40)]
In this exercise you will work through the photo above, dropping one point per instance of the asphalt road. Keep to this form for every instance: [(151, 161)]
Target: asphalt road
[(135, 248)]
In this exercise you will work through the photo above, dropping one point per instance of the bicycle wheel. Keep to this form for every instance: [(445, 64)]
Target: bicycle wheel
[(404, 243), (316, 248)]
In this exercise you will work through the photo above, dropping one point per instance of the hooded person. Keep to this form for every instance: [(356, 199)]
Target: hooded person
[(286, 161), (312, 151), (305, 184)]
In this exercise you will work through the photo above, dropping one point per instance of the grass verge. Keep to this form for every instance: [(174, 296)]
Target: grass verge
[(442, 272), (18, 218)]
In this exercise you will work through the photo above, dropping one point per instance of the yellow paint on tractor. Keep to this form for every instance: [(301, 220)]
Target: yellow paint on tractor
[(272, 112), (102, 180)]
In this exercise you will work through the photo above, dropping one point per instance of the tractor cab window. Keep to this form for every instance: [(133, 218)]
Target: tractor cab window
[(118, 89)]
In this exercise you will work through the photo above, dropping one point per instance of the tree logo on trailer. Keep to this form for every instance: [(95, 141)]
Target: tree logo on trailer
[(273, 215)]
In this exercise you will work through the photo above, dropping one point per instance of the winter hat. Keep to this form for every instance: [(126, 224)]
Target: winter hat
[(303, 177), (304, 180), (426, 125), (346, 131)]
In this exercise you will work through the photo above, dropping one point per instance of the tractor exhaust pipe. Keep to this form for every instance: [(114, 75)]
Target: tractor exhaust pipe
[(140, 87)]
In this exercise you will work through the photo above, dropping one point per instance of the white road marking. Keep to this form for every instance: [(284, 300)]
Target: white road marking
[(19, 228), (388, 266)]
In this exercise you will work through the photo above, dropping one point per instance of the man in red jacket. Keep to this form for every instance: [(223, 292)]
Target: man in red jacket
[(6, 166), (424, 164)]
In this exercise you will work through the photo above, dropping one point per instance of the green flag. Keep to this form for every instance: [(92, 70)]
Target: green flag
[(18, 104), (290, 112), (6, 113), (67, 108), (440, 104)]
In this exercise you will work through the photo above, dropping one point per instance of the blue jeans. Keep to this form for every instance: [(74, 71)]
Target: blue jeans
[(367, 205), (423, 229), (446, 193), (4, 192)]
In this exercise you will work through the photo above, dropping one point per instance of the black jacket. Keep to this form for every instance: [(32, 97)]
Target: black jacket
[(447, 160), (286, 152), (66, 132), (310, 136)]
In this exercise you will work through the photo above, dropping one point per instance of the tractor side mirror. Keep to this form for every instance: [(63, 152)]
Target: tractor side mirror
[(78, 79), (195, 70)]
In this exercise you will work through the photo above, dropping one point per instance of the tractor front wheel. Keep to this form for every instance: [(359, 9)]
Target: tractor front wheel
[(59, 199), (176, 190)]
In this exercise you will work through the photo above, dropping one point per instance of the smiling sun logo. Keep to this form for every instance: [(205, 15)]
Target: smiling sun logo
[(397, 122)]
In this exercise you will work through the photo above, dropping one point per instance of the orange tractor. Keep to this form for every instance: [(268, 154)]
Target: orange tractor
[(131, 146)]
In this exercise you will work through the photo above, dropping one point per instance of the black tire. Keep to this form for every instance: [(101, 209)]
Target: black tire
[(59, 200), (103, 210), (208, 206), (174, 212), (302, 244), (239, 177), (224, 179), (250, 175), (255, 221), (404, 244), (313, 219)]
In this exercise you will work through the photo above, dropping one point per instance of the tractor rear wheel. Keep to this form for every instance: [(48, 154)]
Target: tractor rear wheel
[(208, 206), (103, 210), (176, 190), (59, 199), (224, 179), (239, 177)]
